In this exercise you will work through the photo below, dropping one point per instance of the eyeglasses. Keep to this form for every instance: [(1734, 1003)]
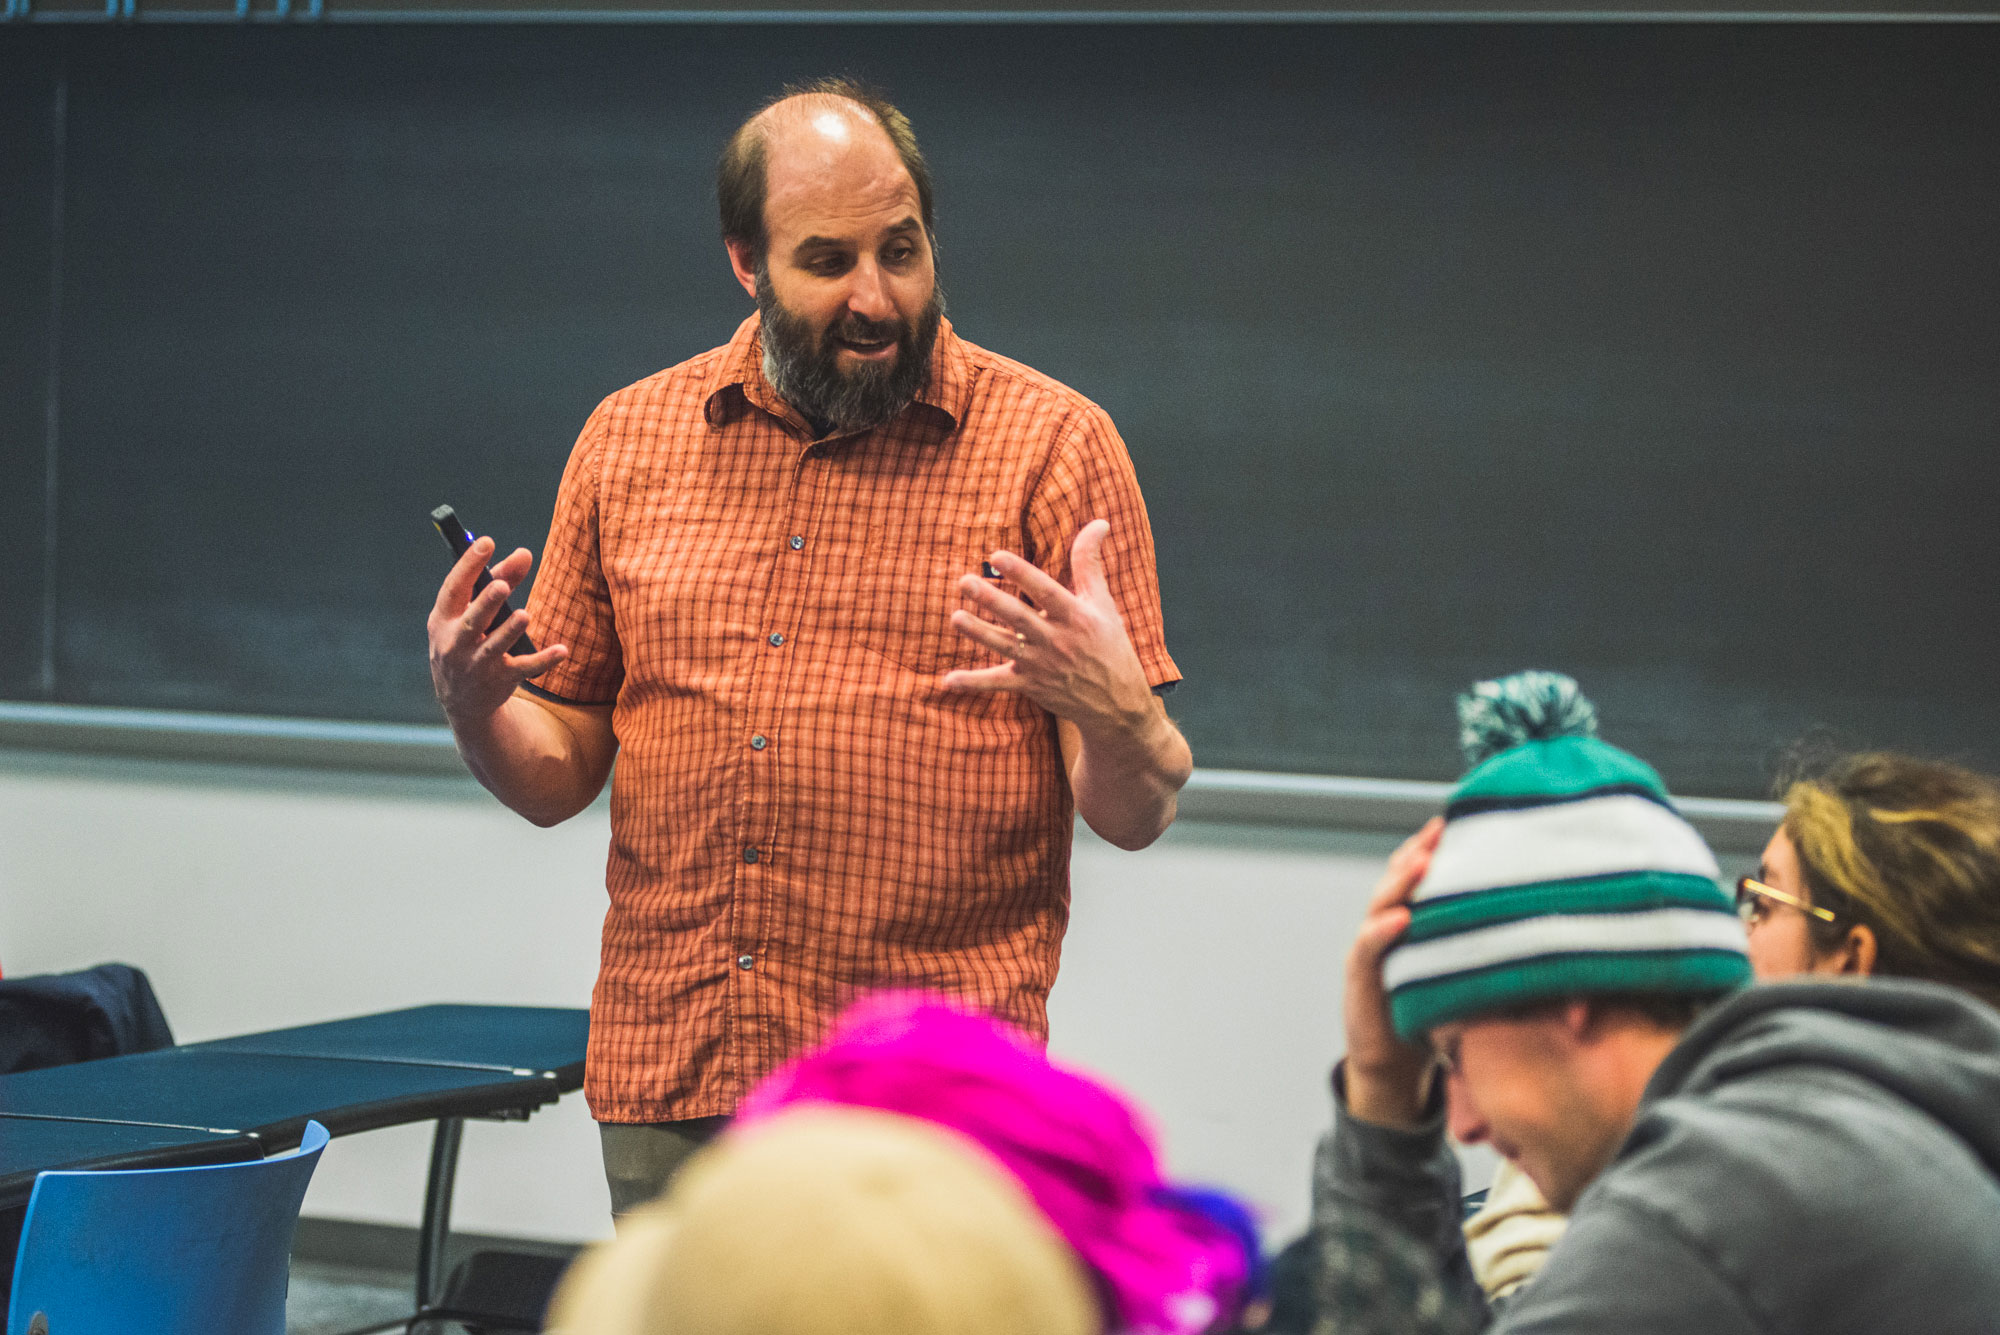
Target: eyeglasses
[(1754, 900)]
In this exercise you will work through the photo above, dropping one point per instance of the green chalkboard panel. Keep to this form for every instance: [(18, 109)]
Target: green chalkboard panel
[(1659, 352), (29, 94)]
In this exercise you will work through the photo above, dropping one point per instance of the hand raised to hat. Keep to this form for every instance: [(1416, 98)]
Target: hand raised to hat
[(1387, 1078), (1069, 653)]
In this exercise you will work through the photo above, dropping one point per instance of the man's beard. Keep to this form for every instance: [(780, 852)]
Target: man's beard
[(804, 367)]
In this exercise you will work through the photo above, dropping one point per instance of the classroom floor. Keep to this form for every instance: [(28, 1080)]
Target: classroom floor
[(328, 1299), (346, 1279)]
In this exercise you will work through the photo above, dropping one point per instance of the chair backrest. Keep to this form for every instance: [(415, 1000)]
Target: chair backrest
[(162, 1251)]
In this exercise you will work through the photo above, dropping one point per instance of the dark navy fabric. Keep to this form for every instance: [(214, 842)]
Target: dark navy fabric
[(58, 1018)]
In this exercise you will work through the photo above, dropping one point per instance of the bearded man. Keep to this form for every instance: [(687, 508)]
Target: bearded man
[(833, 778)]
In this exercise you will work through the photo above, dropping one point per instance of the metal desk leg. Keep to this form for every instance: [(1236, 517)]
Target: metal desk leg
[(437, 1210)]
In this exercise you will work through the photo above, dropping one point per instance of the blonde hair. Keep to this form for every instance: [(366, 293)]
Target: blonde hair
[(1911, 849), (824, 1220)]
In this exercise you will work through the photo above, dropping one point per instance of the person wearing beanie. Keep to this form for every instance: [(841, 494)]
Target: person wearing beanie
[(1551, 968), (1884, 865), (833, 1221)]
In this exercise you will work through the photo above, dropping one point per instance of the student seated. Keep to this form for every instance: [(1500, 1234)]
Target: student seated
[(833, 1221), (1156, 1259), (1552, 968), (1883, 866)]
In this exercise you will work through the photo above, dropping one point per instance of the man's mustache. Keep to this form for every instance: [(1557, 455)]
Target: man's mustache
[(860, 329)]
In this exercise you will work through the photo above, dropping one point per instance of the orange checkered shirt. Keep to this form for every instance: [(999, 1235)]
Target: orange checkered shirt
[(799, 813)]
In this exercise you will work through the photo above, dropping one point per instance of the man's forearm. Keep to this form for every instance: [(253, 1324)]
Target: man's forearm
[(534, 760), (1406, 1172), (1127, 777), (1402, 1179)]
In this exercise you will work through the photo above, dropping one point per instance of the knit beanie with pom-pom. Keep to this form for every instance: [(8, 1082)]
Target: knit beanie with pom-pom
[(1564, 870)]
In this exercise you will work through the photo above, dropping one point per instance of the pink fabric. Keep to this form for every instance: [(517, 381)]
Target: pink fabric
[(1079, 1148)]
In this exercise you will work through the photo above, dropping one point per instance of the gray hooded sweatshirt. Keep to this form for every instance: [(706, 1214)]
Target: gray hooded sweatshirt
[(1813, 1158)]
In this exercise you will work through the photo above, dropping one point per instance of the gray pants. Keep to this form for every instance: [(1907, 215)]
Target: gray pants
[(641, 1158)]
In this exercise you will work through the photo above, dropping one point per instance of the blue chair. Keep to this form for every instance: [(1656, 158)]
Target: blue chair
[(162, 1251)]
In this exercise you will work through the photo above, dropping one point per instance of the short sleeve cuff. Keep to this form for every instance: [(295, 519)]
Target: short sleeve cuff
[(547, 694)]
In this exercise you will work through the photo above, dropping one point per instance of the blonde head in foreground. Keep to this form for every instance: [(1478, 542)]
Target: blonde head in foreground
[(833, 1221)]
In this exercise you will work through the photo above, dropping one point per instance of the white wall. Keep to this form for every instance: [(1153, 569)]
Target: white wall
[(1202, 975)]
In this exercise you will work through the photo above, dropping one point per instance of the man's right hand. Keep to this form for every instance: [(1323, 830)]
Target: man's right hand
[(1387, 1079), (471, 670)]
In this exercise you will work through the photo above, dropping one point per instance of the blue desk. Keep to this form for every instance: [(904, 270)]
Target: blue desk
[(30, 1145), (522, 1039), (265, 1096), (245, 1097)]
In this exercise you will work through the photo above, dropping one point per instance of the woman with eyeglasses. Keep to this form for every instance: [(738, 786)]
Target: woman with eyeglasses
[(1883, 864)]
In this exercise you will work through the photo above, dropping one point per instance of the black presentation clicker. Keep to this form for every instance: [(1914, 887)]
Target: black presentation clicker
[(455, 537)]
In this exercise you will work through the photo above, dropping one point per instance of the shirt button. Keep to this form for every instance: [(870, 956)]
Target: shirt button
[(777, 638), (758, 743), (798, 543), (746, 961), (749, 855)]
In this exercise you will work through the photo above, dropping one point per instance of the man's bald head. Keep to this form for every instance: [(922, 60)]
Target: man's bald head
[(814, 118)]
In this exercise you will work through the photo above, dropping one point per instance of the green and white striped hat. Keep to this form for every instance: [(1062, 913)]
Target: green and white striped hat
[(1563, 870)]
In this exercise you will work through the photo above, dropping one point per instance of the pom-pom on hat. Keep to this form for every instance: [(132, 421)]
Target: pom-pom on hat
[(1563, 870)]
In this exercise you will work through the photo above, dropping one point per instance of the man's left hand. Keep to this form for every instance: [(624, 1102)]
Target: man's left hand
[(1069, 653)]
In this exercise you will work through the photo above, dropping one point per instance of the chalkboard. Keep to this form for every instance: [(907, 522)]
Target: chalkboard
[(1663, 353), (27, 232)]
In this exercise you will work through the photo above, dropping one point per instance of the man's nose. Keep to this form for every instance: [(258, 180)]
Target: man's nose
[(868, 293), (1462, 1118)]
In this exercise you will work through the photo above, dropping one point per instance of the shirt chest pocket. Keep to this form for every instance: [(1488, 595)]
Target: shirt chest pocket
[(908, 588)]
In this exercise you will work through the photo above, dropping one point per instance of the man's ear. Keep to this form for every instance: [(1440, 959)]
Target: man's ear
[(1581, 1019), (743, 261)]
